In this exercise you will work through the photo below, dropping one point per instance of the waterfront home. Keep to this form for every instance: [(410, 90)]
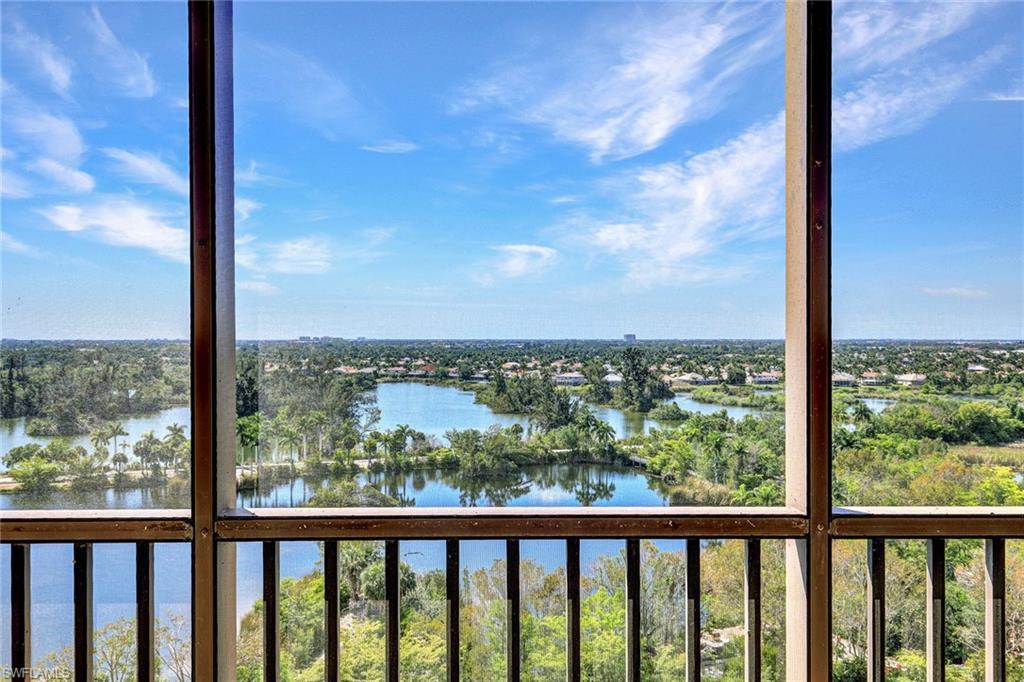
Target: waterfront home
[(911, 379), (842, 379), (570, 379), (694, 378), (765, 378), (872, 379)]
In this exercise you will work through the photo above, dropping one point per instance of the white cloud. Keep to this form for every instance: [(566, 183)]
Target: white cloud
[(42, 54), (391, 147), (56, 137), (674, 215), (967, 293), (520, 260), (13, 185), (898, 102), (257, 286), (623, 89), (252, 174), (306, 90), (565, 199), (126, 67), (123, 221), (877, 34), (308, 255), (11, 245), (147, 168), (245, 208), (1007, 96), (670, 221), (67, 178)]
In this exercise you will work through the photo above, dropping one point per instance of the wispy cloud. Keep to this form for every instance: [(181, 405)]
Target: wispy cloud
[(672, 215), (145, 168), (391, 147), (669, 222), (258, 286), (42, 55), (68, 179), (1006, 96), (125, 67), (254, 173), (625, 86), (123, 221), (365, 245), (515, 261), (307, 255), (245, 208), (898, 102), (306, 90), (13, 185), (55, 137), (967, 293), (11, 245), (881, 34)]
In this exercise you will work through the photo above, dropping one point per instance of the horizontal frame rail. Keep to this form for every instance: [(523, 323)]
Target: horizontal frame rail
[(927, 522), (504, 522), (62, 525)]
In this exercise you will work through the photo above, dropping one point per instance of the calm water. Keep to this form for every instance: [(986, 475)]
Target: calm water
[(436, 409), (425, 407), (12, 431)]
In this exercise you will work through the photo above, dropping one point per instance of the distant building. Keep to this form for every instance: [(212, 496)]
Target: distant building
[(765, 378), (613, 379), (976, 369), (872, 379), (694, 379), (570, 379), (629, 338), (911, 379), (842, 379)]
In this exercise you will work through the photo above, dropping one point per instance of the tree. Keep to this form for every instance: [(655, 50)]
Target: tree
[(114, 430)]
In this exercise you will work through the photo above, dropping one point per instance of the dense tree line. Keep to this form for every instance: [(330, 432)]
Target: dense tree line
[(64, 388)]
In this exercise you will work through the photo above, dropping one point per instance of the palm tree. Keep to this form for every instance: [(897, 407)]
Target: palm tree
[(319, 421), (120, 462), (114, 430), (100, 439), (861, 413), (176, 443), (289, 437), (603, 434), (248, 431)]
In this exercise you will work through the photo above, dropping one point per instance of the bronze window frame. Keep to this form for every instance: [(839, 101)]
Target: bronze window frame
[(807, 523)]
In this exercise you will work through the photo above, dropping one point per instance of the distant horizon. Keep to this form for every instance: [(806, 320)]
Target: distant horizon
[(496, 339)]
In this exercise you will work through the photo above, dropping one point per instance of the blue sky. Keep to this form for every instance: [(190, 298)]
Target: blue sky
[(516, 170)]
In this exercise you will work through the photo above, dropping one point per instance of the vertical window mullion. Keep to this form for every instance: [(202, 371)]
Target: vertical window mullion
[(752, 610), (995, 610), (144, 613), (21, 606), (83, 611), (271, 611)]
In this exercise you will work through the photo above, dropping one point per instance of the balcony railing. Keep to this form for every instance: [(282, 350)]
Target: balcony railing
[(271, 526)]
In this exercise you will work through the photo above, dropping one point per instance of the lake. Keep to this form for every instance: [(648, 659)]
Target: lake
[(429, 408)]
